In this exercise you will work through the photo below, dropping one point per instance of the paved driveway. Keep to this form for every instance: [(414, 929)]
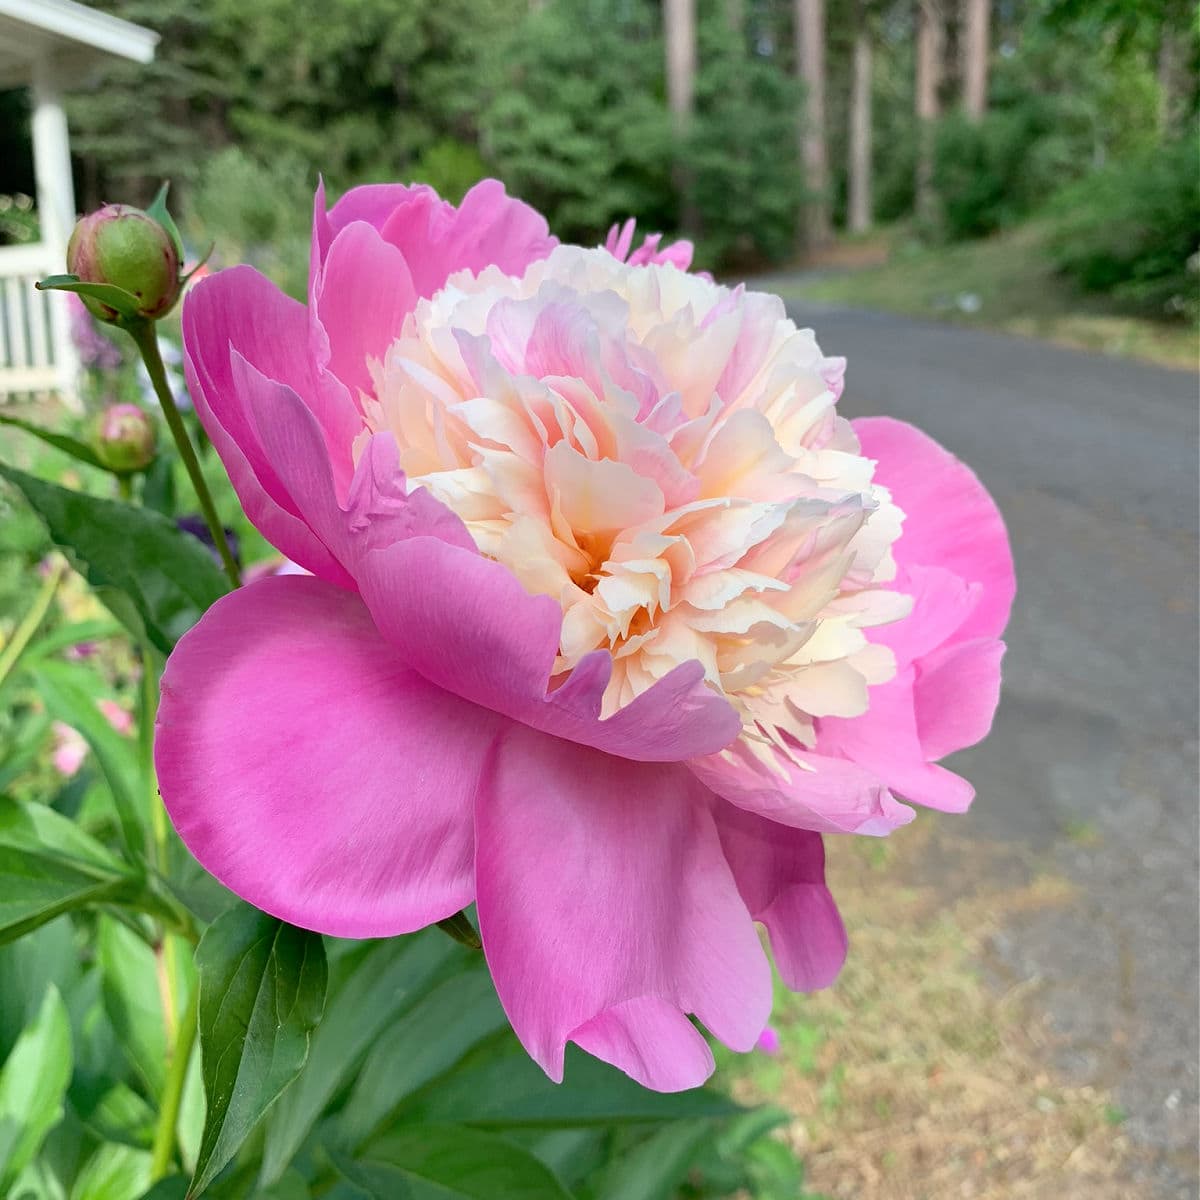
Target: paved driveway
[(1092, 763)]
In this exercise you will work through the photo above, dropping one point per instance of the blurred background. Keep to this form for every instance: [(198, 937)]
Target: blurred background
[(992, 208)]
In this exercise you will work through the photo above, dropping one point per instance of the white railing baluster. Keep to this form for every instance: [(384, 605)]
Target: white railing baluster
[(37, 357)]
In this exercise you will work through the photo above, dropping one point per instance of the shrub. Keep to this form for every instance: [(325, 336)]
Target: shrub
[(1132, 229), (983, 170)]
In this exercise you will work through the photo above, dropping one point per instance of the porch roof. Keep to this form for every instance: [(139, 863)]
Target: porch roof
[(70, 36)]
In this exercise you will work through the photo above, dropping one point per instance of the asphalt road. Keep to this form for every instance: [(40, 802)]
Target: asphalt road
[(1091, 766)]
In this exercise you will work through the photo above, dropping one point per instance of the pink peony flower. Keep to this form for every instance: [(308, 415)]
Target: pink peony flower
[(69, 749), (611, 616), (120, 718)]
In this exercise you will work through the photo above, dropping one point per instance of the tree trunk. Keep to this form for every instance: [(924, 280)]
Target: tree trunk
[(859, 165), (679, 22), (810, 66), (931, 42), (1168, 78), (977, 17)]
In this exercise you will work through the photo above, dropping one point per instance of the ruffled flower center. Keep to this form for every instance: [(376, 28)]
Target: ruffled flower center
[(662, 456)]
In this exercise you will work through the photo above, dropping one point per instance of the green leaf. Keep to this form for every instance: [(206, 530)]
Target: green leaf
[(117, 298), (158, 211), (652, 1169), (156, 580), (33, 1082), (189, 1129), (513, 1092), (65, 690), (449, 1163), (60, 441), (384, 985), (114, 1172), (36, 887), (36, 827), (455, 1016), (122, 1115), (262, 992), (174, 1187), (71, 634), (132, 1001)]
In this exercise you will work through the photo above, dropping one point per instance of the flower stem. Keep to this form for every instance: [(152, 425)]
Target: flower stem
[(168, 1114), (144, 335), (24, 633)]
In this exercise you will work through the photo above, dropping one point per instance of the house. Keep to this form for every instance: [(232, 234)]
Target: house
[(48, 46)]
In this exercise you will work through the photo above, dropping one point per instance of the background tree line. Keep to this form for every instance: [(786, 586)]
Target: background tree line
[(758, 127)]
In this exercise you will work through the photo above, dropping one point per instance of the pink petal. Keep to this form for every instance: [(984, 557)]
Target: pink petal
[(804, 791), (885, 741), (239, 314), (608, 912), (950, 520), (489, 228), (942, 604), (312, 772), (955, 695), (362, 295), (376, 508), (780, 874), (467, 625)]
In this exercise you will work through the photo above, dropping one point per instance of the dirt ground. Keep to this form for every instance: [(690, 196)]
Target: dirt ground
[(919, 1076)]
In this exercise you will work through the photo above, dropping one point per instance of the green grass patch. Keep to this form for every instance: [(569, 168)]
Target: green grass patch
[(1005, 282)]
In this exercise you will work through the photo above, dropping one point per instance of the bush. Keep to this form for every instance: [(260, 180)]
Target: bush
[(747, 187), (579, 128), (1132, 229), (254, 212), (983, 171)]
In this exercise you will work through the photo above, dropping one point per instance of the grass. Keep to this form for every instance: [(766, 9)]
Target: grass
[(914, 1078), (1004, 283)]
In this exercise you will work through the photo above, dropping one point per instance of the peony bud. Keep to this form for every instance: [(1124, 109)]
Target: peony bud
[(126, 247), (124, 438)]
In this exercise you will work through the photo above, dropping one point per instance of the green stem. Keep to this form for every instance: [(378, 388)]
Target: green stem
[(125, 488), (168, 1116), (23, 634), (143, 333)]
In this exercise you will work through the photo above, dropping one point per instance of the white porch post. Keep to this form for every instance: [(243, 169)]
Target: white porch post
[(56, 209)]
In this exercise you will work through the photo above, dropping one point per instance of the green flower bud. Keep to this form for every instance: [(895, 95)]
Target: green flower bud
[(126, 247), (124, 438)]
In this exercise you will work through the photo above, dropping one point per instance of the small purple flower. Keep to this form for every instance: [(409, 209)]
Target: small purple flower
[(768, 1041), (93, 348)]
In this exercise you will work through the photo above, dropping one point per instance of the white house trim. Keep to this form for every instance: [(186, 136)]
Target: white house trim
[(47, 45)]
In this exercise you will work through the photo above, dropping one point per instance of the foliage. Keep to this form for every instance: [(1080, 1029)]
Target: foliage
[(748, 190), (1133, 230), (578, 127), (380, 1068)]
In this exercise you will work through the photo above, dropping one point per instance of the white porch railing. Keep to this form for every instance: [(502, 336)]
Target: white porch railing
[(37, 357)]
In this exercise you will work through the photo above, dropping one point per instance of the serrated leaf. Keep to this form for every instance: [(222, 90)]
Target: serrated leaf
[(33, 1082), (156, 580), (262, 992), (384, 985), (36, 887), (60, 441), (449, 1163)]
